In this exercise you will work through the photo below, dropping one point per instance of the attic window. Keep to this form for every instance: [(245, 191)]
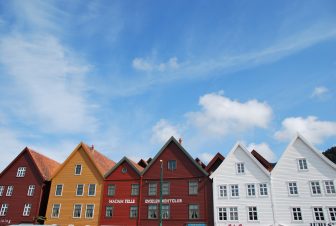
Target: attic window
[(172, 165), (78, 169), (21, 172), (124, 170), (302, 164)]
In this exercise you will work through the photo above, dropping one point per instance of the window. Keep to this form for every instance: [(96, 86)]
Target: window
[(21, 172), (233, 213), (315, 187), (26, 209), (329, 187), (318, 214), (263, 190), (80, 190), (165, 212), (124, 170), (222, 215), (111, 188), (92, 190), (2, 188), (302, 163), (193, 187), (10, 189), (252, 213), (77, 211), (89, 211), (292, 188), (234, 190), (240, 168), (165, 188), (193, 211), (251, 190), (152, 212), (222, 191), (332, 213), (135, 189), (55, 210), (172, 165), (296, 214), (109, 211), (78, 169), (31, 189), (4, 209), (152, 188), (59, 189), (133, 212)]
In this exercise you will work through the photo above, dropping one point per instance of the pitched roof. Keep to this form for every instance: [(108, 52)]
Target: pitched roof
[(215, 162), (100, 161), (269, 166), (172, 139), (137, 168), (45, 165)]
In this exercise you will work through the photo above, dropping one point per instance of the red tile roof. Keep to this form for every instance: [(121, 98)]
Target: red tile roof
[(45, 165), (137, 166), (103, 163)]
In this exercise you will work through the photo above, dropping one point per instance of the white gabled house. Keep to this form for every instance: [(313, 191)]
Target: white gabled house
[(241, 191), (303, 186)]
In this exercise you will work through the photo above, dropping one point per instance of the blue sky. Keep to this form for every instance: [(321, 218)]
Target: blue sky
[(127, 75)]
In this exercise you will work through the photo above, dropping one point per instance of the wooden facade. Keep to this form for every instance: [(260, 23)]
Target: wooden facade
[(24, 188), (76, 188)]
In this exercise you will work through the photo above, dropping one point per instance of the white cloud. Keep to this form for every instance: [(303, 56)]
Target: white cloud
[(314, 130), (163, 130), (264, 150), (148, 65), (206, 157), (220, 115), (47, 83), (320, 91)]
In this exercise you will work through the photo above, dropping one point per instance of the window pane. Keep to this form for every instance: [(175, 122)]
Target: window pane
[(135, 189), (89, 211), (152, 188), (80, 189), (109, 211), (193, 211), (111, 190), (55, 210), (59, 188), (77, 210), (78, 169), (152, 212), (193, 187), (92, 190), (133, 211)]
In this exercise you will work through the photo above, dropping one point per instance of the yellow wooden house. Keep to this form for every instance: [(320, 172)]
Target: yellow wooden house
[(76, 188)]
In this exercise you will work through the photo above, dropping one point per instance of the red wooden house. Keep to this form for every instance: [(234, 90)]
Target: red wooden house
[(24, 188), (121, 194), (186, 189)]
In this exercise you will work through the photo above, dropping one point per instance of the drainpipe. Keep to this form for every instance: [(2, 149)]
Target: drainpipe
[(272, 201), (140, 200)]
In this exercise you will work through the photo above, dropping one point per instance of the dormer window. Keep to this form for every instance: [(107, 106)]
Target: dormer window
[(21, 172), (302, 164), (240, 168), (78, 169)]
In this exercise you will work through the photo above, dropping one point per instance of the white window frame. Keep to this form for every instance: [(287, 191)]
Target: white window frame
[(240, 168), (233, 213), (234, 191), (253, 189), (222, 189), (332, 214), (132, 210), (152, 208), (319, 211), (86, 210), (21, 172), (109, 208), (291, 187), (224, 211), (165, 211), (26, 209), (166, 188), (296, 212), (172, 164), (303, 166), (152, 189), (31, 190), (135, 189), (329, 187), (2, 189), (317, 186), (262, 190), (82, 190), (81, 169), (56, 189), (193, 187), (95, 187), (3, 209), (254, 211), (191, 209), (74, 209), (113, 190), (53, 208), (10, 190)]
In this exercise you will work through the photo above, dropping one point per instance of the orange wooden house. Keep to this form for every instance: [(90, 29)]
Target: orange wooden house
[(76, 188)]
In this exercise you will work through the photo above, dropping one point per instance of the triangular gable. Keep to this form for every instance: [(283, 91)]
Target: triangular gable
[(172, 139), (234, 149), (217, 158), (91, 157), (138, 169), (43, 164), (310, 147)]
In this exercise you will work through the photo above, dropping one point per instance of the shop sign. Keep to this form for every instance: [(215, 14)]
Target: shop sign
[(165, 201), (121, 201), (7, 221)]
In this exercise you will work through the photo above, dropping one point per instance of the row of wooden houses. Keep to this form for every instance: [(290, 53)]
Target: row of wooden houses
[(171, 189)]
